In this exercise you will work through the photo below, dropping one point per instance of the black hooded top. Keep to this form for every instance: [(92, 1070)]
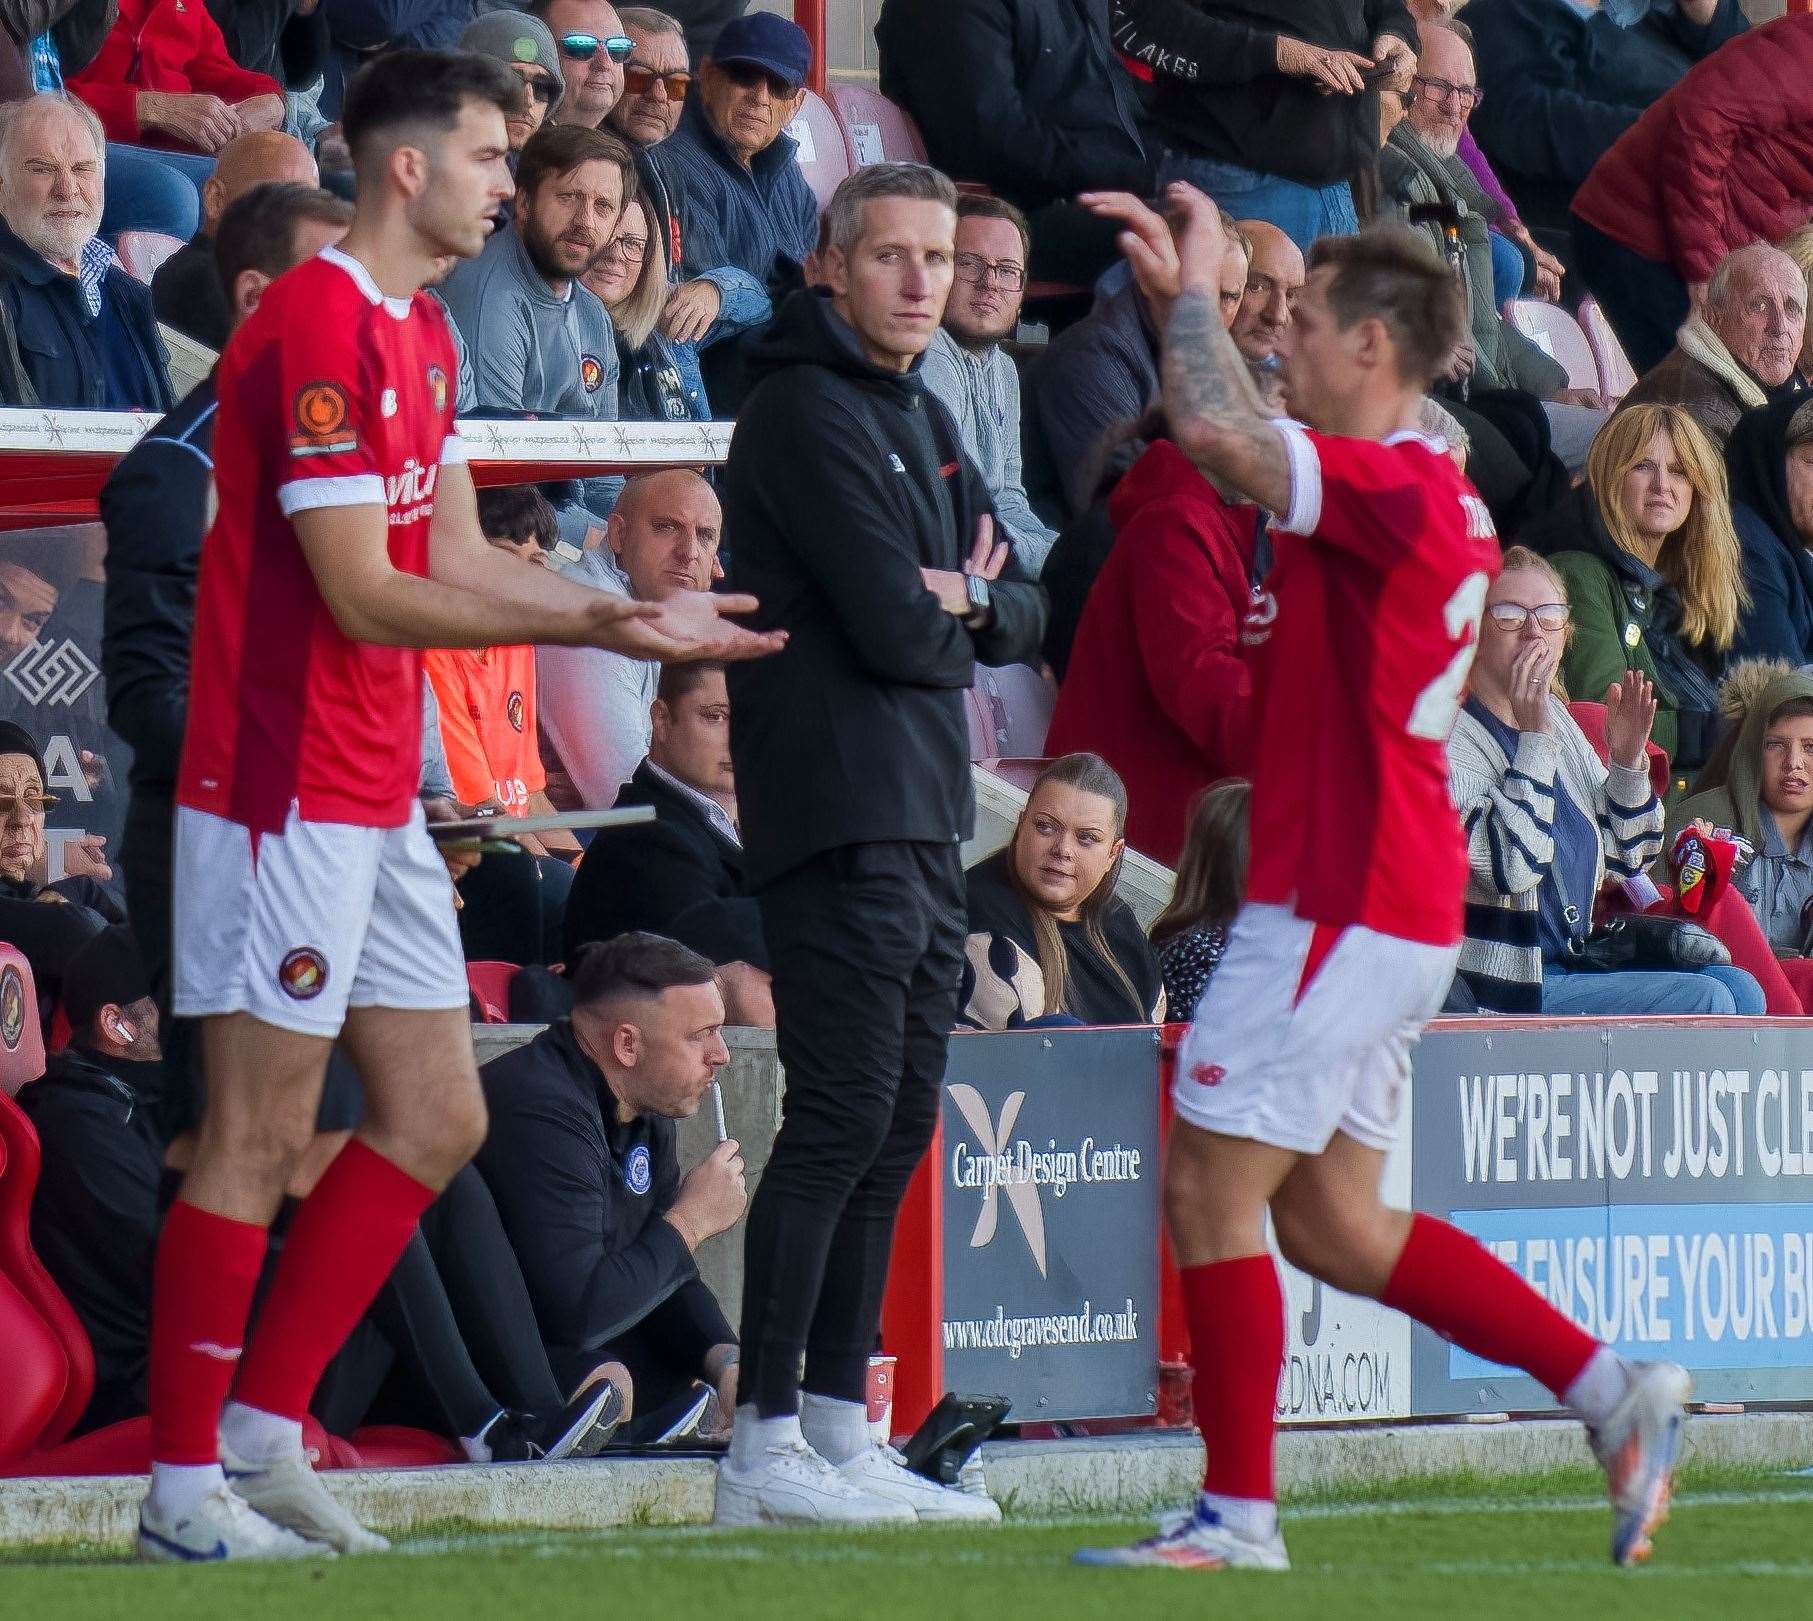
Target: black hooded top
[(1778, 568), (844, 481)]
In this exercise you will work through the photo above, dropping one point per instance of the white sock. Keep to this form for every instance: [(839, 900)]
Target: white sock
[(1598, 1387), (476, 1447), (258, 1437), (177, 1489), (1255, 1518), (836, 1430), (752, 1435)]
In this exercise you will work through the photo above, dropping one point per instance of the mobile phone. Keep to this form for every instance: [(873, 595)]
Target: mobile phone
[(1379, 74)]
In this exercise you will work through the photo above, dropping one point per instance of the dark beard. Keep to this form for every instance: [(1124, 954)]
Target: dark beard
[(539, 249)]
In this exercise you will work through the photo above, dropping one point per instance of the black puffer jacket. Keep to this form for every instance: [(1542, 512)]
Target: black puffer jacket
[(76, 28), (844, 481)]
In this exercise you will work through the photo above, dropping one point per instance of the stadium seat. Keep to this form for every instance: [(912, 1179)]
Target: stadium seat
[(1022, 773), (1012, 708), (141, 252), (875, 129), (822, 154), (1590, 718), (21, 1036), (1617, 377), (489, 983), (1557, 334)]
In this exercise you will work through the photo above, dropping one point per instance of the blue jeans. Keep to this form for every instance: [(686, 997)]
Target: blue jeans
[(1507, 268), (151, 190), (1302, 212), (1648, 990)]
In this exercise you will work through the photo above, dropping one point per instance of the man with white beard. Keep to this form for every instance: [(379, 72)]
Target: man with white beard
[(1418, 167)]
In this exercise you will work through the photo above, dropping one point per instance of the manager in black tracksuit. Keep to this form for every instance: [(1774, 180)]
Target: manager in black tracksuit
[(844, 485)]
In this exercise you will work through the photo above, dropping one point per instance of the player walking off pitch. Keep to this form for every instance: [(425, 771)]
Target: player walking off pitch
[(310, 904), (1290, 1081)]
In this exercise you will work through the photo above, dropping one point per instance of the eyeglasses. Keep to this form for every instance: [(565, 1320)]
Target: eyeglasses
[(631, 249), (973, 267), (583, 47), (747, 75), (1440, 91), (31, 804), (541, 87), (1513, 616), (640, 80)]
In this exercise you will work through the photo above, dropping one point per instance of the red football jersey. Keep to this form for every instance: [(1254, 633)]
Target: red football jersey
[(1382, 566), (330, 395)]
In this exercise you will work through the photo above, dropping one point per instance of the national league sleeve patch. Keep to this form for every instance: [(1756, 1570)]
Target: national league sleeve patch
[(322, 421)]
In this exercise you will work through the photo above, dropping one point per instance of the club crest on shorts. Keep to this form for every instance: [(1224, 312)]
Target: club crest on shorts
[(637, 1170), (591, 373), (437, 387), (12, 1007), (1208, 1074), (514, 709), (303, 974)]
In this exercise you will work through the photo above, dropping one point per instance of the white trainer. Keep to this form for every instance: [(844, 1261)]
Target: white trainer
[(793, 1485), (1637, 1447), (1193, 1539), (882, 1472), (291, 1493), (222, 1526)]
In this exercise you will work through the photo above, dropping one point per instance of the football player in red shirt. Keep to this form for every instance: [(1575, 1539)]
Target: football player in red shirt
[(310, 904), (1290, 1081)]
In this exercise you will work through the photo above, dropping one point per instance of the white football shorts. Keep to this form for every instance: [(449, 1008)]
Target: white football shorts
[(1297, 1038)]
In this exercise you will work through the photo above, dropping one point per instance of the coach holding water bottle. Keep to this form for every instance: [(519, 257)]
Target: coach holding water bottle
[(852, 513)]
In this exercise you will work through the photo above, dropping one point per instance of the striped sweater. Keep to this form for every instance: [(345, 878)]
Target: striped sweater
[(1507, 809)]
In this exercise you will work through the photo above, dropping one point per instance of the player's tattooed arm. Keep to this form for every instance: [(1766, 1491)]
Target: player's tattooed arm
[(1214, 409)]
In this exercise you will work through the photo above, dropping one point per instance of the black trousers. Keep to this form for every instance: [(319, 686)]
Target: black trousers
[(1645, 302), (866, 943)]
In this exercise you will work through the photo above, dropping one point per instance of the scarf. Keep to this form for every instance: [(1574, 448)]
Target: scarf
[(1699, 342)]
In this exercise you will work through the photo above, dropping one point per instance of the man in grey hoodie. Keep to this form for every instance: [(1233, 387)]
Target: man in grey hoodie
[(539, 340)]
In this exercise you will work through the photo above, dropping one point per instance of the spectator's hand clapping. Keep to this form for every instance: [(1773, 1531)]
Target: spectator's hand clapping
[(1532, 672), (691, 308), (986, 558), (1630, 712), (206, 122), (1336, 72)]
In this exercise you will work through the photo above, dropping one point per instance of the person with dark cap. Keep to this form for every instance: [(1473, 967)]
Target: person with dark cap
[(95, 1213), (741, 197), (524, 45), (48, 935)]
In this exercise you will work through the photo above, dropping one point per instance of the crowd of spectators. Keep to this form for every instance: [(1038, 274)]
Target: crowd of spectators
[(646, 269)]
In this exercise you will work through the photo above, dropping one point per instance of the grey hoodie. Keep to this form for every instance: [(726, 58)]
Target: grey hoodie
[(532, 350)]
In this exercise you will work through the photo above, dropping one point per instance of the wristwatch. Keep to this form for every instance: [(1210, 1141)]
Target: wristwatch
[(981, 603)]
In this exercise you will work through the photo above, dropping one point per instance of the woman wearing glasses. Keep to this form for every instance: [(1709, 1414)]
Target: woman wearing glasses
[(1654, 570), (659, 379), (1547, 823)]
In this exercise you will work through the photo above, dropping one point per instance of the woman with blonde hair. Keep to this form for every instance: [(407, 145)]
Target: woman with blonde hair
[(660, 379), (1049, 940), (1654, 570)]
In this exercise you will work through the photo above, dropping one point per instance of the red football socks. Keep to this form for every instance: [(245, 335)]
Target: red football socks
[(1236, 1316), (202, 1283), (1466, 1294), (340, 1249)]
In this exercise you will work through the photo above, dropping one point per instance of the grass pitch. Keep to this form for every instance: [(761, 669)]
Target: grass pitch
[(1470, 1550)]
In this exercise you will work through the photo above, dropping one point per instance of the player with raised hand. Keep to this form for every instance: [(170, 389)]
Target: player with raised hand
[(310, 904), (1291, 1078)]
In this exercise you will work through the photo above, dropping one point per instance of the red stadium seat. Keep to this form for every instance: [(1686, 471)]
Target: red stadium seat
[(1617, 377), (21, 1037), (489, 983), (1557, 334), (1022, 774), (1013, 708), (141, 252), (875, 129), (822, 153)]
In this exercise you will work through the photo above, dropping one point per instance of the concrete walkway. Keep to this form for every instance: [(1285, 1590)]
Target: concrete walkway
[(1100, 1476)]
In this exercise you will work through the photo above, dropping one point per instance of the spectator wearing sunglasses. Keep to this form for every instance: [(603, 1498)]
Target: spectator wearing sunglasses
[(593, 48), (657, 79), (967, 368), (744, 203), (524, 45)]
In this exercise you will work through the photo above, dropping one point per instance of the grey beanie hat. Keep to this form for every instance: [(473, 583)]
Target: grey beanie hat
[(515, 36)]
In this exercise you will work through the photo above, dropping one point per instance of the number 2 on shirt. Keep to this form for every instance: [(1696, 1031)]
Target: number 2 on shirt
[(1432, 715)]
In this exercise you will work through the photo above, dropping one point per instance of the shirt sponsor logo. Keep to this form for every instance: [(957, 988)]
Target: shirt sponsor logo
[(302, 975), (637, 1171), (410, 493), (591, 373), (322, 428), (1208, 1074)]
